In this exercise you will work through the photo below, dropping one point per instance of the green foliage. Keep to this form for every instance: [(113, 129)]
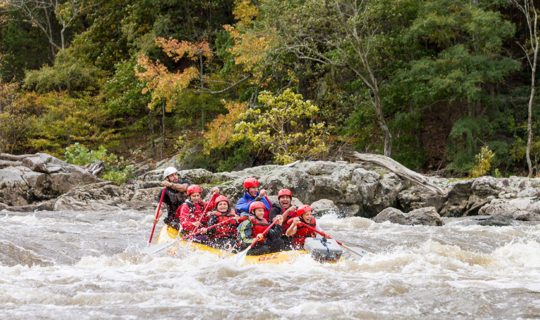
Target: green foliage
[(67, 73), (117, 169), (284, 125), (483, 161), (464, 141)]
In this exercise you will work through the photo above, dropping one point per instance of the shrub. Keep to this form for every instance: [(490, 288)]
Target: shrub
[(483, 162)]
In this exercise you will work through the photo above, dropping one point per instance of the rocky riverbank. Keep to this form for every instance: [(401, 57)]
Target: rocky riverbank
[(42, 182)]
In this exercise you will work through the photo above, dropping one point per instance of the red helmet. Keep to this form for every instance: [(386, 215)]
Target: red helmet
[(222, 198), (256, 205), (284, 192), (193, 189), (303, 209), (251, 183)]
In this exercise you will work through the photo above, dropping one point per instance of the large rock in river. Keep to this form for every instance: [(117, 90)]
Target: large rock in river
[(29, 179)]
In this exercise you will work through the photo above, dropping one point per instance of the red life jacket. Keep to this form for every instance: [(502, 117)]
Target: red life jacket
[(258, 226), (189, 213), (302, 232), (228, 229)]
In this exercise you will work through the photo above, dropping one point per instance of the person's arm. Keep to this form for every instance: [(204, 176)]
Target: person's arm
[(243, 205), (293, 228)]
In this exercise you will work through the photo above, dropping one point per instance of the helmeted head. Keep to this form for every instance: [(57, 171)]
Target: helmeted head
[(285, 198), (169, 171), (257, 208), (305, 212), (222, 203), (251, 185), (194, 192)]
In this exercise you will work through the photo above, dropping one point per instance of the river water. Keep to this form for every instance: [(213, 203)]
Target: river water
[(89, 265)]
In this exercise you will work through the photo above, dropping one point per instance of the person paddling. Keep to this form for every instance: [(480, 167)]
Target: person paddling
[(191, 214), (175, 195), (285, 209), (254, 227), (251, 194), (224, 235), (299, 232)]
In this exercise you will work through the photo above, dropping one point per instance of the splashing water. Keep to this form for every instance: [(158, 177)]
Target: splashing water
[(89, 265)]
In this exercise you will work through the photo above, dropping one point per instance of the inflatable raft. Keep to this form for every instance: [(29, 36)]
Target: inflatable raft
[(169, 235)]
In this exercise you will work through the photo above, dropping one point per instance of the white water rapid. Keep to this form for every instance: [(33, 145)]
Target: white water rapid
[(89, 265)]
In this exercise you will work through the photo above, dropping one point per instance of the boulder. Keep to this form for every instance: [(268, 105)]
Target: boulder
[(324, 206), (423, 216), (35, 178)]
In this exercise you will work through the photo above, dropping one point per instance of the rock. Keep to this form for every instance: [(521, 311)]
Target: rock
[(39, 177), (324, 206), (416, 197), (525, 209), (422, 216), (391, 214), (425, 216), (457, 199), (96, 196)]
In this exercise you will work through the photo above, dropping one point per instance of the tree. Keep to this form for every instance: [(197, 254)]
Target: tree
[(164, 86), (340, 34), (285, 126), (46, 14), (531, 51)]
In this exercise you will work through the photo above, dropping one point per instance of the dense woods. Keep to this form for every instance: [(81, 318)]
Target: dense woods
[(439, 85)]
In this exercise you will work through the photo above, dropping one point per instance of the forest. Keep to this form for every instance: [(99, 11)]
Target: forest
[(442, 86)]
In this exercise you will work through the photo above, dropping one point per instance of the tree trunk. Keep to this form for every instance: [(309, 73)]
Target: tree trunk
[(377, 104)]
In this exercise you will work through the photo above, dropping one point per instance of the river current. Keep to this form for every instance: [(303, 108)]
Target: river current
[(90, 265)]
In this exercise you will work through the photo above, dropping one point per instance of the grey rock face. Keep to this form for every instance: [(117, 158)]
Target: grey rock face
[(423, 216)]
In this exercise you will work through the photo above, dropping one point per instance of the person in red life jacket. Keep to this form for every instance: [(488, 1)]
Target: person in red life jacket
[(299, 232), (285, 209), (191, 214), (254, 227), (251, 194), (224, 235), (175, 195)]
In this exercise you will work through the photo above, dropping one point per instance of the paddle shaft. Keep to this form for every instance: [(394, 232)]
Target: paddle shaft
[(330, 237), (214, 226), (157, 215), (255, 240)]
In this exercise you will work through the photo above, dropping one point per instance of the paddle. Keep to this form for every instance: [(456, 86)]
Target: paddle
[(161, 247), (242, 255), (330, 237), (156, 219)]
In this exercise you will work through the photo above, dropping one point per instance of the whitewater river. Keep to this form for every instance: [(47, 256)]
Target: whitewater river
[(89, 265)]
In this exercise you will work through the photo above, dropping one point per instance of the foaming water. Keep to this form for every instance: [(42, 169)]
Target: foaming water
[(89, 265)]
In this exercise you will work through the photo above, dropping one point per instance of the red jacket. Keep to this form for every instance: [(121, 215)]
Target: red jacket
[(302, 232), (226, 230), (190, 213)]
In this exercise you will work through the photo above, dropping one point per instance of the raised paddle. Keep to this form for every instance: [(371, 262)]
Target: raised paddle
[(330, 237), (242, 255), (156, 219)]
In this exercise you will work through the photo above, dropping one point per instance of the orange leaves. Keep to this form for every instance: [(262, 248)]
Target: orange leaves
[(164, 85), (176, 50)]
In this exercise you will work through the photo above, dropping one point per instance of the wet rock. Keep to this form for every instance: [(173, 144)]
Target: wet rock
[(96, 196), (36, 178), (324, 206), (525, 209), (417, 197), (423, 216)]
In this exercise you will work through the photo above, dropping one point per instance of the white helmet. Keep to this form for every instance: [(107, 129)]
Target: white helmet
[(168, 171)]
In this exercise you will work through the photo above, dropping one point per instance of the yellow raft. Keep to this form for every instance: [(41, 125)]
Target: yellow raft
[(168, 234)]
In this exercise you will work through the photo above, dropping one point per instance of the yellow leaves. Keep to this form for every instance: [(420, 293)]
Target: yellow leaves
[(164, 85), (221, 129), (284, 126), (244, 12)]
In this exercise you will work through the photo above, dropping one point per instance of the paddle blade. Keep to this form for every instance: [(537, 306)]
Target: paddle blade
[(241, 256), (158, 248)]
